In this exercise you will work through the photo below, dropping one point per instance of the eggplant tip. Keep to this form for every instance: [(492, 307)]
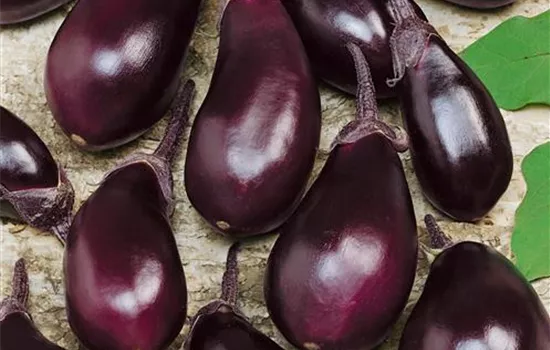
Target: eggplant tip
[(78, 140), (222, 225)]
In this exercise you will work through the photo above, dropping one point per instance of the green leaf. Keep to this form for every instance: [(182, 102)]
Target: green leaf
[(531, 237), (513, 60)]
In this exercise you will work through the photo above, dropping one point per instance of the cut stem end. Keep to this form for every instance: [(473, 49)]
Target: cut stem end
[(230, 281), (438, 239)]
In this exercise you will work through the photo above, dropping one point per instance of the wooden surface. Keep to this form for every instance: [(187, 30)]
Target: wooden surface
[(23, 52)]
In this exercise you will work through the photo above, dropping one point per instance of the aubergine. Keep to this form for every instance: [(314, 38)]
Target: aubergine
[(475, 298), (342, 269)]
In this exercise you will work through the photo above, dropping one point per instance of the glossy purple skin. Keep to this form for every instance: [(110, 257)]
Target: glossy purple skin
[(113, 67), (326, 26), (25, 161), (18, 332), (459, 144), (342, 269), (475, 298), (254, 140), (125, 286), (15, 11), (482, 4), (227, 330)]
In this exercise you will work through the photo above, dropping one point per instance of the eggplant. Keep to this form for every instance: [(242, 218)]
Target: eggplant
[(343, 266), (475, 298), (17, 330), (460, 147), (482, 4), (33, 187), (125, 285), (254, 140), (220, 325), (113, 67), (326, 26), (16, 11)]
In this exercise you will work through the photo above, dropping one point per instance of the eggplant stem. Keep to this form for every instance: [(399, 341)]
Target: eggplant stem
[(168, 147), (401, 10), (367, 120), (20, 283), (438, 239), (408, 39), (61, 231), (366, 100), (230, 280)]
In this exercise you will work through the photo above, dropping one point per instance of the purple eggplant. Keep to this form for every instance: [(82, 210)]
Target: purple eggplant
[(220, 325), (17, 330), (15, 11), (33, 187), (113, 67), (254, 140), (342, 269), (482, 4), (475, 298), (125, 285), (459, 144), (327, 25)]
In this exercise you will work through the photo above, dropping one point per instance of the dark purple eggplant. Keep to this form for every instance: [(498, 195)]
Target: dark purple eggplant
[(342, 269), (327, 25), (15, 11), (254, 140), (459, 144), (482, 4), (17, 330), (125, 285), (475, 298), (113, 67), (33, 187), (220, 325)]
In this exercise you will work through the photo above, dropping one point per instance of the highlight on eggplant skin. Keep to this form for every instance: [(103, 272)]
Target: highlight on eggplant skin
[(475, 297), (33, 187), (125, 286), (17, 329), (16, 11), (326, 26), (482, 4), (459, 144), (113, 67), (253, 143), (341, 271)]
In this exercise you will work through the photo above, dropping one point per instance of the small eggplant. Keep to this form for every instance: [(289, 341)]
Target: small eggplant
[(125, 285), (342, 269), (17, 330), (254, 140), (326, 27), (15, 11), (459, 144), (33, 188), (220, 325), (475, 298), (113, 67), (482, 4)]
